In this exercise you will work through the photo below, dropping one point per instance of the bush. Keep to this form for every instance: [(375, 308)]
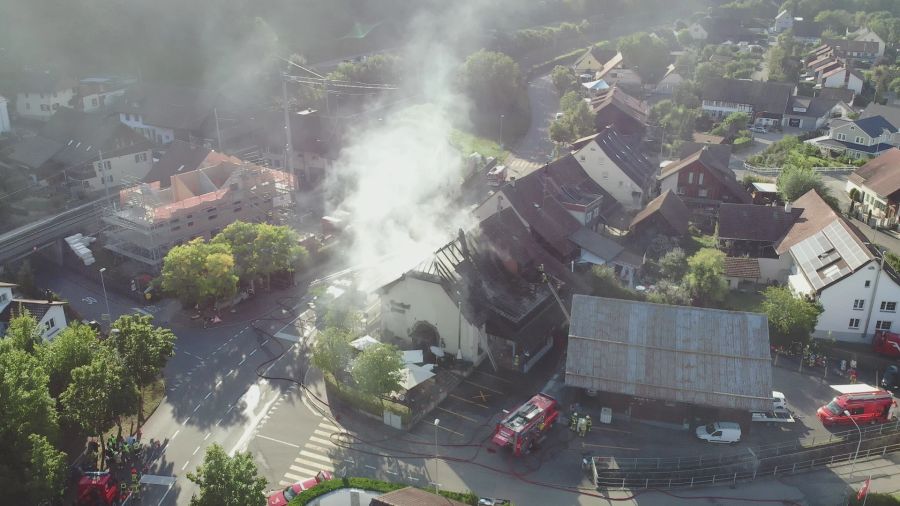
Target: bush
[(372, 485), (563, 59), (367, 403), (742, 143)]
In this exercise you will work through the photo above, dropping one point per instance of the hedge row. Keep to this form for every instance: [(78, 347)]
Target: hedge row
[(564, 59), (371, 485), (364, 402)]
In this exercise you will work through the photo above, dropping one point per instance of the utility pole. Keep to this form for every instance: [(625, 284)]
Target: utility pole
[(218, 132), (289, 145)]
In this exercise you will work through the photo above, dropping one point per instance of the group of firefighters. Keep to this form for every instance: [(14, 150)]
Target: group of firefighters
[(580, 424)]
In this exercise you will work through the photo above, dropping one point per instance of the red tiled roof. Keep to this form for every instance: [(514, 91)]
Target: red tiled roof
[(880, 174), (740, 267)]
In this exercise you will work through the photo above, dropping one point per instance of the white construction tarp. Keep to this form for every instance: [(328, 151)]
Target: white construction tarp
[(364, 342), (413, 357), (413, 375)]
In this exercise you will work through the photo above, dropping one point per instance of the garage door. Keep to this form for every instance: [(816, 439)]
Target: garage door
[(794, 122)]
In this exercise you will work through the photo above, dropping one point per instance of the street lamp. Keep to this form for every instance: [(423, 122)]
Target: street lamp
[(858, 443), (437, 422), (105, 296)]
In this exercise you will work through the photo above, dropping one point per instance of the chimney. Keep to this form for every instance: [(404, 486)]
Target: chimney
[(788, 207)]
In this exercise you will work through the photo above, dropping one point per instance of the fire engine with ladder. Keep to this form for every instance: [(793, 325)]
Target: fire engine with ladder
[(523, 429)]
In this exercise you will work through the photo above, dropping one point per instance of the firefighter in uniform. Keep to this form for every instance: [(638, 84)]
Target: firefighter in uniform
[(588, 422), (573, 421)]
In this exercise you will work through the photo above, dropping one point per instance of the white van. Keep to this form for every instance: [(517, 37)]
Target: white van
[(720, 432), (778, 400)]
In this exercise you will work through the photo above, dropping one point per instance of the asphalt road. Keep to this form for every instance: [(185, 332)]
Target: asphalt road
[(535, 145)]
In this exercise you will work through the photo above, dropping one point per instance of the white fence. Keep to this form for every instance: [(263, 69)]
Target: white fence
[(776, 171)]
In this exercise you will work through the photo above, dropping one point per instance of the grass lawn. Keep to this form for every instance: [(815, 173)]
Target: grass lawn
[(744, 301), (696, 242), (467, 144)]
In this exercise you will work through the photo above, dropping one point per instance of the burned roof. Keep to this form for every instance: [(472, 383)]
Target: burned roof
[(683, 354), (748, 222), (627, 157), (880, 175), (670, 209)]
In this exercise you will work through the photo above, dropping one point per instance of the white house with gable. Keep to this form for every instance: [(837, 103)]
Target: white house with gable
[(50, 315), (617, 167)]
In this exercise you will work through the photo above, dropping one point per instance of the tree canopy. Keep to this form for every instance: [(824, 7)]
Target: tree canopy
[(705, 276), (647, 53), (376, 370), (791, 319), (73, 347), (564, 79), (332, 351), (227, 481), (200, 272), (491, 79)]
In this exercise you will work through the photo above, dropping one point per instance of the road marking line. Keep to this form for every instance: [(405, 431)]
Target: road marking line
[(242, 361), (467, 400), (307, 471), (448, 430), (370, 467), (265, 342), (283, 483), (233, 372), (315, 456), (315, 448), (484, 387), (278, 441), (197, 449), (218, 383), (191, 355), (229, 409), (585, 445), (613, 430), (330, 427), (185, 465), (186, 421), (322, 433), (322, 441), (207, 436), (252, 352), (164, 495), (390, 472), (218, 421), (207, 396), (293, 477), (495, 377), (173, 435), (195, 409), (464, 417)]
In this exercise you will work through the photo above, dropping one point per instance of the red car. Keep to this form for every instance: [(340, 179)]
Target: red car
[(282, 497)]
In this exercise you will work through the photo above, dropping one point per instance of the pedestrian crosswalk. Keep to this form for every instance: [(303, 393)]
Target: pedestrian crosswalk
[(518, 167), (314, 456)]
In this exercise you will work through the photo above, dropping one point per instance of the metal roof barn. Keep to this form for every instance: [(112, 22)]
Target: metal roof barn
[(691, 355)]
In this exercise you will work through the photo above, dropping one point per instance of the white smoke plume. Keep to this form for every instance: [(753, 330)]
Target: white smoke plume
[(402, 177)]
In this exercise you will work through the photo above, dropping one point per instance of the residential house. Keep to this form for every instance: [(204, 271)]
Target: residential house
[(665, 215), (807, 32), (716, 30), (621, 111), (862, 50), (860, 138), (598, 249), (878, 182), (592, 61), (615, 73), (697, 31), (671, 80), (42, 93), (312, 150), (163, 113), (840, 94), (595, 88), (765, 102), (813, 113), (5, 127), (843, 77), (783, 21), (833, 264), (754, 231), (764, 194), (703, 179), (867, 35), (50, 315), (152, 217), (618, 167), (474, 299), (100, 93), (671, 364), (889, 113), (92, 152)]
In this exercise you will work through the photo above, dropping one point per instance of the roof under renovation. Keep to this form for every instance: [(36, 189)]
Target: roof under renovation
[(683, 354)]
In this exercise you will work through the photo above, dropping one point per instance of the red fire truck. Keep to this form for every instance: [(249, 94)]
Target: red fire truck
[(887, 343), (863, 404), (527, 426)]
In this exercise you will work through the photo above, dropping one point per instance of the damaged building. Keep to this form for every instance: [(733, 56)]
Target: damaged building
[(486, 294)]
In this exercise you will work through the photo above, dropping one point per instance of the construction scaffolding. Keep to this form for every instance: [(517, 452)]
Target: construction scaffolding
[(148, 220)]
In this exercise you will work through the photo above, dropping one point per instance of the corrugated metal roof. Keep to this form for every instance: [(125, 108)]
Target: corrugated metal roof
[(672, 353)]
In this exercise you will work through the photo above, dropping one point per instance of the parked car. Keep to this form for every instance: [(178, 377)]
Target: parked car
[(282, 497), (720, 432), (778, 400), (759, 129)]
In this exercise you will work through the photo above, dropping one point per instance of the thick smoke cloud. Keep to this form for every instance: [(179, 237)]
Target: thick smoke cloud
[(402, 177)]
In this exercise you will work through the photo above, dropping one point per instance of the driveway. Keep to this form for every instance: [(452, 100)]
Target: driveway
[(535, 145)]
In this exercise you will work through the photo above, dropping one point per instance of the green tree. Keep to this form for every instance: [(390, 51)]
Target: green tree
[(795, 181), (684, 37), (569, 102), (332, 351), (376, 370), (783, 63), (143, 349), (667, 292), (74, 347), (705, 276), (791, 319), (736, 121), (677, 121), (200, 272), (561, 131), (582, 120), (99, 395), (240, 237), (46, 471), (605, 283), (227, 481), (673, 265), (837, 20), (219, 282), (377, 69), (23, 332), (276, 250), (647, 53), (564, 79), (491, 79)]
